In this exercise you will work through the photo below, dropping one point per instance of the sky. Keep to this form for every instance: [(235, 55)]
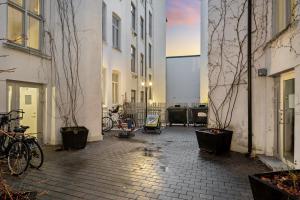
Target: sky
[(183, 28)]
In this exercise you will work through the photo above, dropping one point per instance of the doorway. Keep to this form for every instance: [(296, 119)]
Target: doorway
[(287, 116), (28, 97)]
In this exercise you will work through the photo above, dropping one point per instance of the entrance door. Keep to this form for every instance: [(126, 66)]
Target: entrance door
[(287, 116), (28, 98)]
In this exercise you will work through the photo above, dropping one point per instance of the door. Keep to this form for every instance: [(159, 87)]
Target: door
[(287, 116), (27, 97)]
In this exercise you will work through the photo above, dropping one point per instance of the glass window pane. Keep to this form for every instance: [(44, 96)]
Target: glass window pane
[(34, 6), (33, 33), (15, 26), (18, 2)]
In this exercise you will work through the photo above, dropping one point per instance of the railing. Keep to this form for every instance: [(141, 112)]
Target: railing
[(137, 111)]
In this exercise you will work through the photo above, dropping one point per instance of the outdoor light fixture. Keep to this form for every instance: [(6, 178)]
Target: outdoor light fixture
[(143, 83), (150, 83)]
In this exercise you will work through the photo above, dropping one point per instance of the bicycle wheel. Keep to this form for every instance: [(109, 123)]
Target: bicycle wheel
[(36, 153), (107, 124), (131, 123), (18, 157)]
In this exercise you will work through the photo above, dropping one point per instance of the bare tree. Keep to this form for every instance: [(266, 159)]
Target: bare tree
[(65, 62)]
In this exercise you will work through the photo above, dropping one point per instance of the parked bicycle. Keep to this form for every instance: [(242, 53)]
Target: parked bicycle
[(119, 120), (13, 147), (34, 154)]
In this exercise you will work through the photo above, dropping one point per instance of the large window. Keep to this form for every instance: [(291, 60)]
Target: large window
[(133, 96), (133, 57), (142, 96), (24, 22), (142, 64), (150, 55), (150, 24), (104, 13), (133, 16), (116, 29), (283, 13), (115, 88), (150, 87), (142, 28)]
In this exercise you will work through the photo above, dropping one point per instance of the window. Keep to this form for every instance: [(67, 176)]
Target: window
[(115, 88), (133, 59), (103, 87), (150, 55), (150, 24), (116, 22), (142, 64), (133, 96), (133, 18), (142, 96), (150, 87), (25, 34), (142, 28), (283, 13), (104, 12)]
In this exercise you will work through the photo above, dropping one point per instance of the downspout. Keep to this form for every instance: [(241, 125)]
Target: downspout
[(146, 66), (250, 131)]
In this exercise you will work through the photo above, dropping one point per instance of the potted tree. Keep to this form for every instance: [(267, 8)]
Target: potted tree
[(65, 67), (282, 185)]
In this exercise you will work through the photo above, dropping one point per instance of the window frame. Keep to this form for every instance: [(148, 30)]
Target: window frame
[(133, 17), (150, 24), (104, 21), (133, 96), (288, 16), (142, 63), (142, 99), (150, 55), (115, 90), (142, 24), (118, 19), (133, 59), (26, 15)]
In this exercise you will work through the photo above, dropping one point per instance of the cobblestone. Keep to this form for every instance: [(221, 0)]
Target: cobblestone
[(172, 168)]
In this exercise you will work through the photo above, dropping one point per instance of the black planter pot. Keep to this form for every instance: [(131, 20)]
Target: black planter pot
[(74, 137), (263, 190), (215, 143)]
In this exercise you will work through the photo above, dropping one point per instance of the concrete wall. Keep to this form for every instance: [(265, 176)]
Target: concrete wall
[(37, 69), (119, 60), (183, 81)]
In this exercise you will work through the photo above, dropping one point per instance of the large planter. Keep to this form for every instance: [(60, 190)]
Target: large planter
[(264, 190), (217, 143), (74, 137)]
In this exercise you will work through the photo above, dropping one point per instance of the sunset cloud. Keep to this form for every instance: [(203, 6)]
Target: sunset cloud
[(183, 12)]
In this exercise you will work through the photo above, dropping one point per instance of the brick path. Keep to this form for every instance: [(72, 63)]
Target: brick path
[(166, 166)]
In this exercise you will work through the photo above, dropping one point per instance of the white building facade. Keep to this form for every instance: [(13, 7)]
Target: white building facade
[(183, 82), (28, 31), (134, 49), (275, 74)]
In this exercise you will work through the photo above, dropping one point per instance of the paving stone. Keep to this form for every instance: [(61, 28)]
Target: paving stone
[(120, 169)]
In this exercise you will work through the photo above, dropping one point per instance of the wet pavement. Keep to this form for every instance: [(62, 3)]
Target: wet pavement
[(166, 166)]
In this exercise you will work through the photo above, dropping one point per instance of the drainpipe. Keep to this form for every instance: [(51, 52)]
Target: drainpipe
[(146, 66), (250, 133)]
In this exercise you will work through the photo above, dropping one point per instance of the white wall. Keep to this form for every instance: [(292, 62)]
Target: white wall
[(183, 80), (36, 69), (119, 60)]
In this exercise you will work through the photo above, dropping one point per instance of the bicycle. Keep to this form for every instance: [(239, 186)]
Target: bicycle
[(118, 119), (13, 148), (35, 151)]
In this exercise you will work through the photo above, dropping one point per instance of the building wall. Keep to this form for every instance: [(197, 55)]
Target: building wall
[(120, 60), (37, 68), (183, 82), (273, 52)]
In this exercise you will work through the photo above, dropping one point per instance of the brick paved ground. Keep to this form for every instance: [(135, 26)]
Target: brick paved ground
[(166, 166)]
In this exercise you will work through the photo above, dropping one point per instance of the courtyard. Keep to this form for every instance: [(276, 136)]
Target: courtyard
[(148, 166)]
